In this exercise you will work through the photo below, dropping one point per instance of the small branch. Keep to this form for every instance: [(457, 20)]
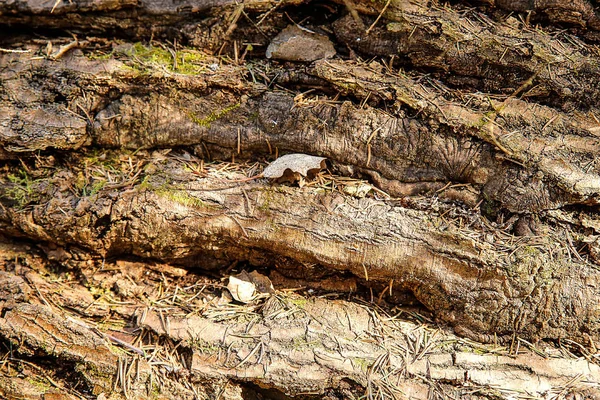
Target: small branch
[(378, 17)]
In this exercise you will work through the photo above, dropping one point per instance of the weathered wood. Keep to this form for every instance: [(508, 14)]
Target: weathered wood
[(470, 278), (334, 347), (482, 130), (506, 150), (120, 103), (580, 13)]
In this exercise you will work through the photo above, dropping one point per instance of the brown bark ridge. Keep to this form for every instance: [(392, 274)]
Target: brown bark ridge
[(578, 13), (490, 151), (463, 175)]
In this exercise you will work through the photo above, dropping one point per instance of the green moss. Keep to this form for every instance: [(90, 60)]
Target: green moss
[(87, 189), (23, 190), (362, 363), (100, 377), (155, 392), (114, 325), (96, 157), (39, 383), (145, 184), (213, 116), (99, 55), (185, 61), (301, 343), (107, 160), (264, 207), (98, 292), (531, 251), (541, 53), (254, 116), (135, 70), (116, 350), (202, 345), (97, 186), (533, 267), (300, 303), (449, 30), (267, 200), (183, 198), (192, 63)]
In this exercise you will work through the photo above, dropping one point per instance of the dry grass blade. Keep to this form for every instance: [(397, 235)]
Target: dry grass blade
[(230, 311), (352, 9), (420, 342), (265, 15), (387, 4), (258, 346), (56, 3), (14, 51)]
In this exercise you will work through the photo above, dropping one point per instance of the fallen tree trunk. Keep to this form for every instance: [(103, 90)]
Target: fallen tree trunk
[(381, 147), (455, 264), (463, 170)]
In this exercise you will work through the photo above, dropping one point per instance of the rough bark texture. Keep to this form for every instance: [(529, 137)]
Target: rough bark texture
[(463, 177), (185, 340)]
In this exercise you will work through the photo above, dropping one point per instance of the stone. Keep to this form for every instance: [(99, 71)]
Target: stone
[(299, 44)]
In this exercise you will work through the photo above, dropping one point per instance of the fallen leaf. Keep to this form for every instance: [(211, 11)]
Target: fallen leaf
[(241, 290), (245, 287), (292, 165), (263, 283)]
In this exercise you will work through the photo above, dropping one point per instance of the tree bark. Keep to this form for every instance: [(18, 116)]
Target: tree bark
[(190, 342), (462, 176)]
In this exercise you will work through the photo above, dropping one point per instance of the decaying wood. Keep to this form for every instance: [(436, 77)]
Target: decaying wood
[(333, 347), (469, 274), (483, 147), (463, 176)]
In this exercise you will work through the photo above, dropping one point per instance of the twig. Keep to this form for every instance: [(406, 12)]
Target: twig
[(269, 12), (14, 51), (55, 5), (378, 17), (236, 15), (258, 346), (239, 224), (369, 144), (350, 6), (64, 49)]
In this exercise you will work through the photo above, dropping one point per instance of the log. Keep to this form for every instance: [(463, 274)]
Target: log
[(462, 179), (192, 341), (474, 280)]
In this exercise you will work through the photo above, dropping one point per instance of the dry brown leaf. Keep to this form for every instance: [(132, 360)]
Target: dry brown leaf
[(241, 290), (292, 164), (246, 287)]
